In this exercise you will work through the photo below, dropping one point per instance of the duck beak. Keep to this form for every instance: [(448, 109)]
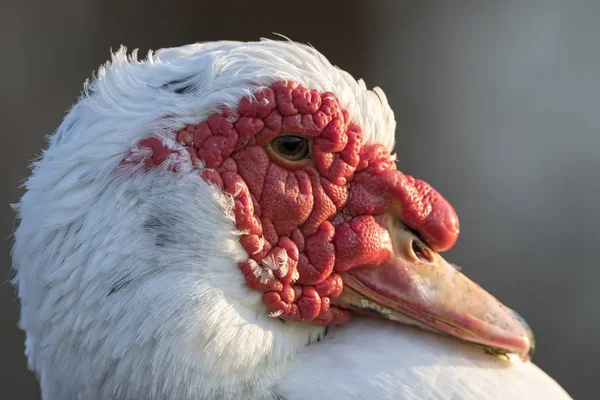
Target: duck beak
[(418, 287)]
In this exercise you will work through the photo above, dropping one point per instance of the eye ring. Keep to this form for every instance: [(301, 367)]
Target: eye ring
[(291, 148)]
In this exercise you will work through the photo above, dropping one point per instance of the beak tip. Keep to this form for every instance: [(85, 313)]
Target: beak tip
[(528, 355), (531, 351)]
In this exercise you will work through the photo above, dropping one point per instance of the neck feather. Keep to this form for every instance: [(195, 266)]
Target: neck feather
[(167, 315)]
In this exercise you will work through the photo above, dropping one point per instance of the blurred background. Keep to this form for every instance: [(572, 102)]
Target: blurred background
[(498, 107)]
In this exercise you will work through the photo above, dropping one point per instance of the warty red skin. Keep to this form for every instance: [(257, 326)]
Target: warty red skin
[(317, 216)]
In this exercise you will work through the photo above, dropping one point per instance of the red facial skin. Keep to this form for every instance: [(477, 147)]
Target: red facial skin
[(315, 216)]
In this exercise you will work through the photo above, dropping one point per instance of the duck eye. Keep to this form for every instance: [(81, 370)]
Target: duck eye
[(291, 148)]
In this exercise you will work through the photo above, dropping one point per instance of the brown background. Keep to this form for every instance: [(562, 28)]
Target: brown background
[(497, 107)]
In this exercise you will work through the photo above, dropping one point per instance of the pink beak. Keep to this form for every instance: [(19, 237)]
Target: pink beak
[(418, 287)]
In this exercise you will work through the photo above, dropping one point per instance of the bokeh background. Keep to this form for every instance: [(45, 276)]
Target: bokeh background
[(497, 103)]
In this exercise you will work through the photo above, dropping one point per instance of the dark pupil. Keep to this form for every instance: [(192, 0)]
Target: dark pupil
[(292, 147), (290, 144)]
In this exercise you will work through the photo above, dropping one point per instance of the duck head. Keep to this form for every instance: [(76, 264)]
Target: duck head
[(201, 216)]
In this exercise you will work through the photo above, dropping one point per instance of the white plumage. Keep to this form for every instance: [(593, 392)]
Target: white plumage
[(129, 286)]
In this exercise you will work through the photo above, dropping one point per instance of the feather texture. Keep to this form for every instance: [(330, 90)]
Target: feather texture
[(376, 359)]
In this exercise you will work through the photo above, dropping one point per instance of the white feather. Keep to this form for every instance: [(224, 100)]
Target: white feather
[(377, 359), (277, 262)]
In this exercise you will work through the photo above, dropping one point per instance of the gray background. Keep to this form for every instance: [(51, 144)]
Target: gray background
[(497, 107)]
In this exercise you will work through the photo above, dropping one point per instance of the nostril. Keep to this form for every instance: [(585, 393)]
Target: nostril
[(421, 252)]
